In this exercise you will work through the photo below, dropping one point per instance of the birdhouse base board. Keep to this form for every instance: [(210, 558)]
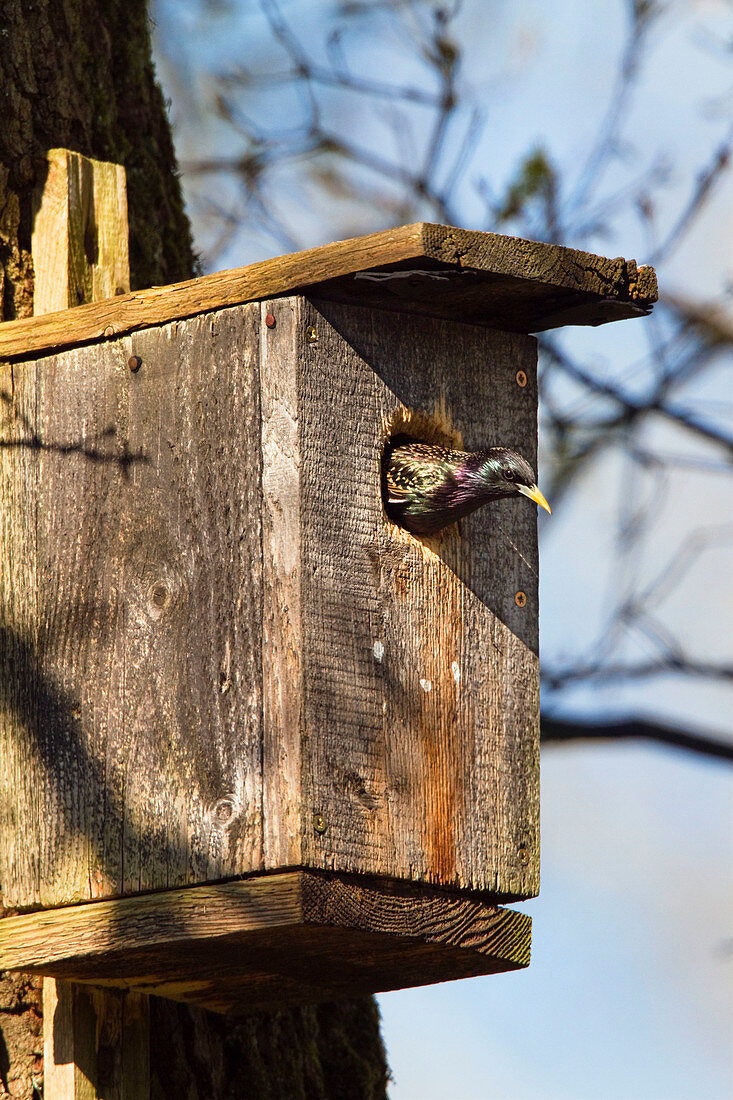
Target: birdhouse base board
[(270, 940)]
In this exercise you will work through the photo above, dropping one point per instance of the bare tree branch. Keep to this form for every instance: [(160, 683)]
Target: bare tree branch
[(556, 730)]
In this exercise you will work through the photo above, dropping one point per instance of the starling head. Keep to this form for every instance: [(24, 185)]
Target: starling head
[(425, 488)]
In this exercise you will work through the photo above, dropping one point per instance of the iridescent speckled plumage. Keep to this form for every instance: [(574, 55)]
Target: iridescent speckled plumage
[(427, 487)]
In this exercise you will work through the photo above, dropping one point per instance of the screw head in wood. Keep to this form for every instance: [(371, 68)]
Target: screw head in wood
[(523, 856), (270, 320), (134, 363), (521, 378), (311, 335), (520, 598), (319, 823)]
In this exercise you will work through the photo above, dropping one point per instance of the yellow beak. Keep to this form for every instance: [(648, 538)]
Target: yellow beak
[(534, 494)]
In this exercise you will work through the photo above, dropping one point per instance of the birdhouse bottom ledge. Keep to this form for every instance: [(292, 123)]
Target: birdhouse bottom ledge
[(270, 940)]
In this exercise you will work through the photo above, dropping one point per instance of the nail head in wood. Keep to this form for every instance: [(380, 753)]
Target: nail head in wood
[(134, 363)]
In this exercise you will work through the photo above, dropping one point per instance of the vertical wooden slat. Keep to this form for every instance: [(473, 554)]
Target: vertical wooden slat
[(83, 486), (135, 1056), (80, 233), (21, 799), (282, 579), (193, 604), (62, 1079)]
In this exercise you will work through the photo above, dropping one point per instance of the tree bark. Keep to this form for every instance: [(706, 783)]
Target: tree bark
[(325, 1052), (78, 74)]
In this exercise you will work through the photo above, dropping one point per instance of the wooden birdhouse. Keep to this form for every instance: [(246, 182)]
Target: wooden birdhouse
[(260, 744)]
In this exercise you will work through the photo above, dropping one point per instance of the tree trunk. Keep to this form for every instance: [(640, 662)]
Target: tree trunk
[(78, 74)]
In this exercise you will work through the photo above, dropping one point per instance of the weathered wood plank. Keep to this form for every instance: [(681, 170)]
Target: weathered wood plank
[(80, 481), (191, 544), (21, 799), (420, 671), (133, 654), (282, 565), (286, 938), (79, 934), (316, 964), (550, 265), (80, 233), (427, 267)]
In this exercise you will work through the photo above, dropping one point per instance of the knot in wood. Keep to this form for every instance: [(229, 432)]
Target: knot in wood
[(224, 812)]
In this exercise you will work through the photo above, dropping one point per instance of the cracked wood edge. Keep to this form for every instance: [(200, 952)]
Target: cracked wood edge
[(550, 266)]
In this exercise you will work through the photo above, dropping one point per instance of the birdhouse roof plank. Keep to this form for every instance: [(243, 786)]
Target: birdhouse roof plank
[(482, 278)]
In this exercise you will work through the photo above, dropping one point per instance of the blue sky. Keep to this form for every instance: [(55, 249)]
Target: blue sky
[(630, 991)]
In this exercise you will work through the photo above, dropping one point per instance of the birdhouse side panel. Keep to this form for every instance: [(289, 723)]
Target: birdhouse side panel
[(138, 754), (420, 667)]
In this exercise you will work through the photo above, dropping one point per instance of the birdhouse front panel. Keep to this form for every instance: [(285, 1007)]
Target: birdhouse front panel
[(416, 725)]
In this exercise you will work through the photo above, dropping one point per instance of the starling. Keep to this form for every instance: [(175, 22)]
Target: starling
[(426, 488)]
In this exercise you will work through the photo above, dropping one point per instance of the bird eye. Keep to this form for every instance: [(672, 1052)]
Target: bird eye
[(508, 473)]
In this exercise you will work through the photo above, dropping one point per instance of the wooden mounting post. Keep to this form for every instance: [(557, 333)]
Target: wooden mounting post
[(80, 233), (95, 1042)]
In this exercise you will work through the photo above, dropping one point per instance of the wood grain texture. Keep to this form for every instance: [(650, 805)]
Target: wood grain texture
[(516, 284), (79, 481), (96, 1043), (80, 233), (275, 939), (133, 615), (192, 551), (551, 265), (420, 672), (21, 797)]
